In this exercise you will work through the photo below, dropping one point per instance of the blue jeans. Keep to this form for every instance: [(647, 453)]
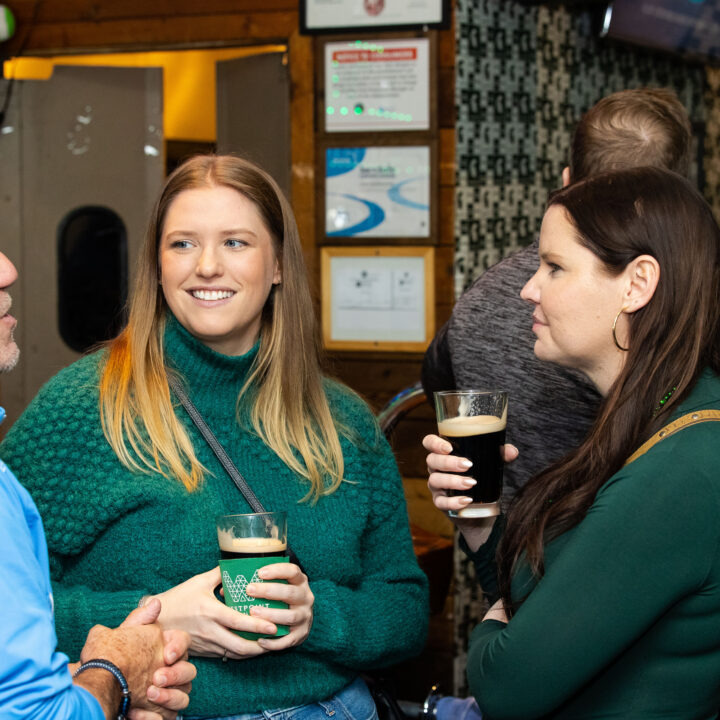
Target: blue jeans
[(353, 702), (453, 708)]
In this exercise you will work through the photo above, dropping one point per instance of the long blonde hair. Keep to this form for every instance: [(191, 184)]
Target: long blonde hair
[(289, 408)]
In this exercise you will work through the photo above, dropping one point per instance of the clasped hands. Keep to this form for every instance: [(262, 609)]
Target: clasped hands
[(192, 606), (153, 661)]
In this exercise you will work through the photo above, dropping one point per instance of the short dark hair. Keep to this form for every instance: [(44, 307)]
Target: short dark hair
[(632, 128)]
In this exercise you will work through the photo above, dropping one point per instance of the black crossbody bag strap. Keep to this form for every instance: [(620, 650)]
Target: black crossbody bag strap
[(222, 456)]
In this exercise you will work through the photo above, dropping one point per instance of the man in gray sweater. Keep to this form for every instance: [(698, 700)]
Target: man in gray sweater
[(488, 341)]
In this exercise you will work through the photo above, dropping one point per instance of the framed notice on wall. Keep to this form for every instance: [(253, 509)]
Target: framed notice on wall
[(377, 85), (317, 16), (377, 192), (378, 298)]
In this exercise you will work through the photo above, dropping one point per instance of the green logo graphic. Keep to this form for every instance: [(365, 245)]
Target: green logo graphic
[(234, 574), (237, 587)]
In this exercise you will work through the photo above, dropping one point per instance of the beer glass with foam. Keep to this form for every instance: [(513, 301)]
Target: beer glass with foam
[(247, 543), (473, 422)]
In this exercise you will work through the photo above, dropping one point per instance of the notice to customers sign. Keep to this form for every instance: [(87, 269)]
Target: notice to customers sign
[(377, 86), (387, 55)]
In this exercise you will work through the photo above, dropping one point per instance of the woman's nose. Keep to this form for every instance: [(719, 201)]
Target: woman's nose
[(531, 292), (208, 263)]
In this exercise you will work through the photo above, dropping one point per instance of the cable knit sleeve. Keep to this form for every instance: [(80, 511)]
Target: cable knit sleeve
[(383, 618), (59, 453)]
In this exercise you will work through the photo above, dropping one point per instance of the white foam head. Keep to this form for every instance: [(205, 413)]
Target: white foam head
[(471, 425), (251, 545)]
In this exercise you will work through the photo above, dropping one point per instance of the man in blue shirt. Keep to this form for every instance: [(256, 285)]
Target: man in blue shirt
[(35, 679)]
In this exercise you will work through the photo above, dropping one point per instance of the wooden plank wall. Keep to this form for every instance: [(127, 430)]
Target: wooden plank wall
[(59, 26)]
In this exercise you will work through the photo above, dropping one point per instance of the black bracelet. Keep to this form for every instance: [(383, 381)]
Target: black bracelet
[(117, 674)]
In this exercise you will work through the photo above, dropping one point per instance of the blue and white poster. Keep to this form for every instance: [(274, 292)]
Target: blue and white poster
[(377, 192)]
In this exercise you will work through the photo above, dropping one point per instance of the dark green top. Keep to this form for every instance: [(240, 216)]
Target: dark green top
[(626, 621), (115, 536)]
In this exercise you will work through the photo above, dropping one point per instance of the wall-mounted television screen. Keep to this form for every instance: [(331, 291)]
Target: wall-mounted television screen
[(689, 27)]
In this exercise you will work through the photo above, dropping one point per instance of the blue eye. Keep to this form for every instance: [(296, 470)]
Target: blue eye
[(235, 243), (180, 244)]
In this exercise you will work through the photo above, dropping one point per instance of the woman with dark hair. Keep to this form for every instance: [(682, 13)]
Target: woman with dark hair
[(609, 560), (130, 489)]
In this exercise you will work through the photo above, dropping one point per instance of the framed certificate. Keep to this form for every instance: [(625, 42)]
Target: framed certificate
[(377, 192), (318, 16), (377, 85), (378, 298)]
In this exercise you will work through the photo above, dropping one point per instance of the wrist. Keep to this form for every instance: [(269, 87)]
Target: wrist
[(107, 683), (476, 531)]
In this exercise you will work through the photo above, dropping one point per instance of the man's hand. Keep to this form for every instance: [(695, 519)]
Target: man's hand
[(171, 684), (153, 662)]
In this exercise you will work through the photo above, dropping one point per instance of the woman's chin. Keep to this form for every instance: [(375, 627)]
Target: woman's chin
[(542, 351)]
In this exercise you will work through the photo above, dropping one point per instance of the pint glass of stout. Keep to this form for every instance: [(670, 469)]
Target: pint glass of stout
[(247, 543), (473, 422)]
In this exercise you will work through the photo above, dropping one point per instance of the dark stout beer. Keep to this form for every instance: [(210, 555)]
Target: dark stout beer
[(479, 438), (232, 548)]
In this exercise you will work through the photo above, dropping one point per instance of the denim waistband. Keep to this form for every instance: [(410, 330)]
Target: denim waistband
[(353, 702)]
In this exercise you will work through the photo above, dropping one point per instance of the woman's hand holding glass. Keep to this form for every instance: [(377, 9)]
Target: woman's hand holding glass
[(193, 607), (442, 466), (296, 594)]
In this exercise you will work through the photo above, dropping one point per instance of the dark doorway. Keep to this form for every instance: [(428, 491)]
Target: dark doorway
[(92, 276)]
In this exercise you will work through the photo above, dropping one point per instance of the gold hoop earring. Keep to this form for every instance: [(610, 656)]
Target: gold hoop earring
[(617, 344)]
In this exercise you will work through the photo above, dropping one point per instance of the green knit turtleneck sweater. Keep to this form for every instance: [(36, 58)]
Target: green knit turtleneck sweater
[(115, 535)]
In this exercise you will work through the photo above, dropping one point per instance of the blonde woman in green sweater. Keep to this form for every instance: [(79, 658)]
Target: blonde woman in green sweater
[(129, 489), (609, 563)]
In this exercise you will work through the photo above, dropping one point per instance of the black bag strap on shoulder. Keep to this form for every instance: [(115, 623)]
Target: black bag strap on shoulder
[(222, 456)]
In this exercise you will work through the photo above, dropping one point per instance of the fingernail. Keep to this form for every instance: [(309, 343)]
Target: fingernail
[(465, 463), (251, 589), (162, 680), (469, 482), (262, 573), (153, 693), (269, 629), (172, 656), (465, 500)]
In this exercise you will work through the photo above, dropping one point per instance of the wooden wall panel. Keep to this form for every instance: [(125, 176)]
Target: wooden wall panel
[(158, 32), (54, 11)]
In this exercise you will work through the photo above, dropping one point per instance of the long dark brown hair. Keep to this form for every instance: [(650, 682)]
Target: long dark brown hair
[(620, 216)]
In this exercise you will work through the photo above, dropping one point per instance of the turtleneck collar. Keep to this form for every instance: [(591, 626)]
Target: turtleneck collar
[(204, 369)]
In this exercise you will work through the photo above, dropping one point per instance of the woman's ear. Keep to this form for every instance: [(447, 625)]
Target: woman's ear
[(643, 274)]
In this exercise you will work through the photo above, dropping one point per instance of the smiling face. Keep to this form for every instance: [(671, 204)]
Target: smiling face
[(575, 301), (217, 267)]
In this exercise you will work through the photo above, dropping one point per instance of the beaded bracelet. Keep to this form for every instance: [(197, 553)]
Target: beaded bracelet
[(117, 674)]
